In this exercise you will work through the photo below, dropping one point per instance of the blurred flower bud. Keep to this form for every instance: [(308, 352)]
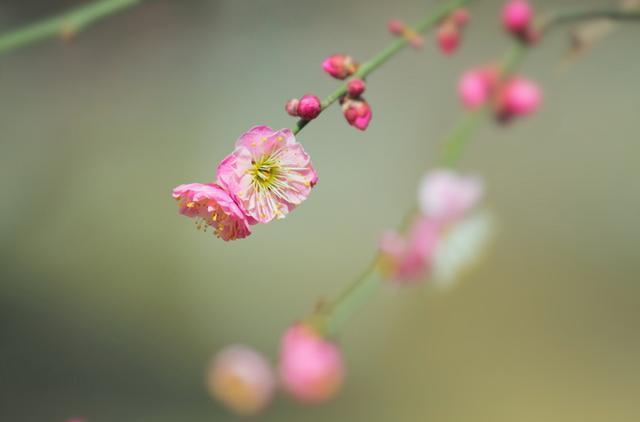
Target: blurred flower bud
[(340, 66), (473, 89), (395, 26), (355, 87), (519, 97), (311, 367), (517, 16), (357, 112), (292, 107), (309, 107), (242, 379), (460, 17), (448, 37)]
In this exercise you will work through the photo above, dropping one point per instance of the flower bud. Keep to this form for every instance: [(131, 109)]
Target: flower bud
[(340, 66), (460, 17), (355, 87), (309, 107), (395, 26), (448, 36), (473, 89), (311, 367), (519, 97), (357, 112), (242, 379), (517, 16), (292, 107)]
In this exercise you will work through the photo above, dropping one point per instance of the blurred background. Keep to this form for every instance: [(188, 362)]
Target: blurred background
[(111, 304)]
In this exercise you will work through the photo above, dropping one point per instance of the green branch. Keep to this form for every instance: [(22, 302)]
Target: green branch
[(68, 23)]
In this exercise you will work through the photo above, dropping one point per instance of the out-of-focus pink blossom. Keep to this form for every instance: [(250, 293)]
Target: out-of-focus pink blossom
[(340, 66), (519, 97), (309, 107), (242, 379), (311, 367), (409, 259), (268, 173), (357, 112), (517, 16), (212, 206), (445, 195)]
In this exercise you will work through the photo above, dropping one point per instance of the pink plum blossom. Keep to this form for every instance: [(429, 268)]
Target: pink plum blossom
[(268, 173), (242, 379), (409, 259), (445, 195), (311, 367), (212, 206)]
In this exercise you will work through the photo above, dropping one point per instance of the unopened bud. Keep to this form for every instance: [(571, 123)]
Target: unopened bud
[(355, 87), (309, 107), (340, 66), (292, 107), (357, 112), (517, 16), (395, 26)]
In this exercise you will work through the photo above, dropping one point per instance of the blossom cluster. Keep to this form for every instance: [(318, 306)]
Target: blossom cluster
[(267, 175), (508, 95), (444, 237)]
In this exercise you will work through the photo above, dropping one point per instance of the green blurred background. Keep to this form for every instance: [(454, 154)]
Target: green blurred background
[(111, 304)]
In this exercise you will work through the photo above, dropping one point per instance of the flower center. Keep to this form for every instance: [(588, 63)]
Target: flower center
[(265, 172)]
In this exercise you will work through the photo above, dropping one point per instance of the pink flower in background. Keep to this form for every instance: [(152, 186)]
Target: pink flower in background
[(473, 89), (519, 97), (269, 173), (517, 16), (242, 379), (409, 259), (311, 367), (446, 195), (212, 206)]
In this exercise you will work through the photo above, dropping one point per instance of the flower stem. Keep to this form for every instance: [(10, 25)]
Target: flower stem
[(383, 56), (330, 317), (70, 23)]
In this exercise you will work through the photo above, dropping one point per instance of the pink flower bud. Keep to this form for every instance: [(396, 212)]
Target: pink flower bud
[(242, 379), (309, 107), (474, 89), (517, 16), (519, 97), (355, 87), (396, 26), (357, 112), (460, 17), (340, 66), (311, 367), (448, 36), (292, 107)]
